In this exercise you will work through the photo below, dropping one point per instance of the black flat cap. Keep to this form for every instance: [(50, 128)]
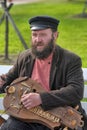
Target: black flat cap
[(43, 22)]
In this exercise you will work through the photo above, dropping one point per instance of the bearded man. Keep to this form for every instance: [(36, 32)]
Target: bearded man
[(58, 70)]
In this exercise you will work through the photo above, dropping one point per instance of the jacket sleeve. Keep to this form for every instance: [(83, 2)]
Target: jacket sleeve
[(13, 73), (18, 69), (72, 92)]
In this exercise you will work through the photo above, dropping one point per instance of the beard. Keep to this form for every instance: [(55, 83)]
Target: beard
[(45, 52)]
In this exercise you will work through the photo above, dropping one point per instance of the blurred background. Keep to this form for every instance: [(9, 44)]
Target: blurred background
[(72, 29)]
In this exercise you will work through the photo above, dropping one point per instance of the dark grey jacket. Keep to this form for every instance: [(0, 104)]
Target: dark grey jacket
[(66, 78)]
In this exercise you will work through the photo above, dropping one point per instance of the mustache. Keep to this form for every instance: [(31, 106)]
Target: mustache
[(37, 44)]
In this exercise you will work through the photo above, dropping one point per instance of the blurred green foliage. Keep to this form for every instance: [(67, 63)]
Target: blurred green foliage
[(72, 30)]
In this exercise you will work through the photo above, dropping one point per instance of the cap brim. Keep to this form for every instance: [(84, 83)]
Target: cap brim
[(38, 28)]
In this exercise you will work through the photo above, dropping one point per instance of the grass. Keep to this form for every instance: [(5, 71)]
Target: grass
[(72, 31)]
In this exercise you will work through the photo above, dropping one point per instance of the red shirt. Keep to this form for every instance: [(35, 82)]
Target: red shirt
[(41, 71)]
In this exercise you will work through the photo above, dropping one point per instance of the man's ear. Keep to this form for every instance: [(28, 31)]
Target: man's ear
[(56, 34)]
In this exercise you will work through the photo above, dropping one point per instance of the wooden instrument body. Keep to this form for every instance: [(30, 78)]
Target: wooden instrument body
[(67, 116)]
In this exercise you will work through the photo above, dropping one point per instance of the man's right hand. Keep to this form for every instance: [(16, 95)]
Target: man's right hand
[(2, 80)]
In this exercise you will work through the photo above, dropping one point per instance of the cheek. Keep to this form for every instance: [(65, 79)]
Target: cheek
[(33, 40), (46, 40)]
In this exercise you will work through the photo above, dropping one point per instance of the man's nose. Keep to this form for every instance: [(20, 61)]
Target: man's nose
[(39, 39)]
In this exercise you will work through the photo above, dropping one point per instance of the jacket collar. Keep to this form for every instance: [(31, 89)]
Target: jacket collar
[(29, 63), (57, 57)]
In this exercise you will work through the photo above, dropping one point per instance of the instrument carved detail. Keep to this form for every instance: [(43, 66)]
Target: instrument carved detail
[(66, 116)]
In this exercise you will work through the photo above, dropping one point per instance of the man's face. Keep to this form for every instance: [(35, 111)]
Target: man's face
[(43, 43)]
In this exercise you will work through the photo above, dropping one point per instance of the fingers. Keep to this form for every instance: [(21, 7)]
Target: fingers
[(30, 100), (2, 80), (3, 77), (26, 101)]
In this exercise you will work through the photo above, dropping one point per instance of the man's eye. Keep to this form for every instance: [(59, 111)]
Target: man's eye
[(34, 35)]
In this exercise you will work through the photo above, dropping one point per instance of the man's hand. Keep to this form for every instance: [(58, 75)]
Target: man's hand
[(31, 100), (2, 80)]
